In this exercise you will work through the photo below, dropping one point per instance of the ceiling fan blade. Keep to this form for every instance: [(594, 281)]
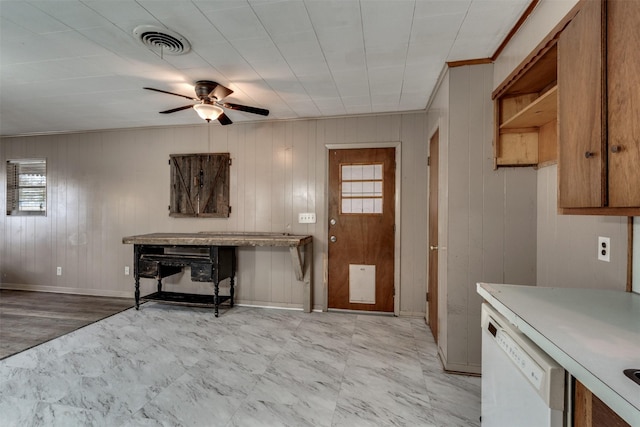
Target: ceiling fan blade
[(246, 108), (220, 92), (173, 110), (224, 119), (170, 93)]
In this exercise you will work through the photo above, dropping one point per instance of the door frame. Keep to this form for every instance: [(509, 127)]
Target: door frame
[(396, 262), (433, 300)]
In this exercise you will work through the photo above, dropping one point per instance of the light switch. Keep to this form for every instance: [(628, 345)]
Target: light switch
[(307, 218)]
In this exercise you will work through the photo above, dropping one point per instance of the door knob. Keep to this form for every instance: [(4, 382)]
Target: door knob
[(333, 239), (433, 248), (332, 222)]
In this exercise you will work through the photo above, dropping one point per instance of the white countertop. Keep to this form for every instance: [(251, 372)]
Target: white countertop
[(594, 334)]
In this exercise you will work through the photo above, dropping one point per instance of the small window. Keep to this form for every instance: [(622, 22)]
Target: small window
[(27, 187), (361, 188)]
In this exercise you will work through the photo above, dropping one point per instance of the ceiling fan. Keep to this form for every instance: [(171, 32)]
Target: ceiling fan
[(210, 94)]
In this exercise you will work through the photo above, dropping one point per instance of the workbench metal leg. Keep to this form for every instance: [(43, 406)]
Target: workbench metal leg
[(136, 274), (308, 278), (233, 276), (137, 292), (215, 296), (159, 284)]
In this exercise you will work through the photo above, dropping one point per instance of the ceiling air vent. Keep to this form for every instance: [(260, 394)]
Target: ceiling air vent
[(162, 40)]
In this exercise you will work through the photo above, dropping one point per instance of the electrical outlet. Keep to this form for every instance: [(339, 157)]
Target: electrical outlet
[(126, 270), (307, 218), (58, 271), (604, 249)]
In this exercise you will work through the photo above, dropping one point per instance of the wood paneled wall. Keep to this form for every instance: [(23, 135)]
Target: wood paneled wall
[(106, 185), (568, 244), (487, 217)]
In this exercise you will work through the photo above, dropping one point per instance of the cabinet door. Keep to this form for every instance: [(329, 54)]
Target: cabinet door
[(581, 128), (623, 81)]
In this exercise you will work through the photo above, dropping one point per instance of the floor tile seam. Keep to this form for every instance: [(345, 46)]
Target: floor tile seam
[(423, 364), (261, 376), (348, 355)]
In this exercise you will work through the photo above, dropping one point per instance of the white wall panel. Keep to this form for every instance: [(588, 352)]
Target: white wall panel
[(567, 244), (106, 185), (483, 214)]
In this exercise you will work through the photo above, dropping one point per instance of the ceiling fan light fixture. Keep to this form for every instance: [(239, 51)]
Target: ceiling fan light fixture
[(208, 111)]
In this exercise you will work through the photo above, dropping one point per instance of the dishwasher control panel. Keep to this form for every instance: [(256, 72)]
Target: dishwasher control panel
[(524, 363), (544, 374)]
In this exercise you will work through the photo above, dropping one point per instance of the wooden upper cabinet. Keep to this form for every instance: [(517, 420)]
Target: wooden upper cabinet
[(623, 91), (582, 128), (526, 110), (200, 185), (599, 110)]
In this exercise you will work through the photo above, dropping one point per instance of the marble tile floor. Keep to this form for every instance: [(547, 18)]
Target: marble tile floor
[(169, 365)]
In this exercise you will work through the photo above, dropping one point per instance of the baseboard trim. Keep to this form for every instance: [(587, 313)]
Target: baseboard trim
[(417, 314), (455, 368), (129, 294), (65, 290)]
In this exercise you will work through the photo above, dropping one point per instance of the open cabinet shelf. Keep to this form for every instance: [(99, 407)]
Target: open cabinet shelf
[(539, 112)]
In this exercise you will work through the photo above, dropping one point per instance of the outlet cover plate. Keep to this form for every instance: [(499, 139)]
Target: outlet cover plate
[(307, 218), (604, 249)]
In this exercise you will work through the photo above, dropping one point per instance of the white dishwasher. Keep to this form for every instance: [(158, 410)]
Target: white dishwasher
[(521, 385)]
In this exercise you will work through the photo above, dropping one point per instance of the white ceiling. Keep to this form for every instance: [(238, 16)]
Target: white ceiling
[(76, 65)]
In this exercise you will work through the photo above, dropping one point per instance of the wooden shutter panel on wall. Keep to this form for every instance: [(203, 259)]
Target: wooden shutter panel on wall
[(200, 185)]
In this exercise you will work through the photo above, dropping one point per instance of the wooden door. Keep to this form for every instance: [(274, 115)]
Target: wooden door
[(582, 132), (623, 91), (432, 301), (361, 229)]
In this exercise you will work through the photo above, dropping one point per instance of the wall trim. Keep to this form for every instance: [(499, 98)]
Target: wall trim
[(457, 368), (129, 295), (465, 62), (66, 290), (516, 27), (397, 249), (436, 88)]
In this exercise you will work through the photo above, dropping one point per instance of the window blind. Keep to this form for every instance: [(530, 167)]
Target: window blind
[(26, 187)]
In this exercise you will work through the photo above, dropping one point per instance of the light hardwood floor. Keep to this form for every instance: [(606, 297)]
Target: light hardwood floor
[(31, 318)]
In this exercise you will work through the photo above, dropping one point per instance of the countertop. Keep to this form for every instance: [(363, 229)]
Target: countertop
[(593, 333)]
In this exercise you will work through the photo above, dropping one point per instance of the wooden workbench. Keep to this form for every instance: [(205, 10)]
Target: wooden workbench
[(212, 258)]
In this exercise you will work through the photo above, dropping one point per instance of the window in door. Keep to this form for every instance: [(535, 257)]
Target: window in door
[(27, 187), (361, 188)]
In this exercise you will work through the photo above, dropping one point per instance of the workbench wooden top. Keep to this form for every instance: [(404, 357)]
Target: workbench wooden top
[(206, 238)]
